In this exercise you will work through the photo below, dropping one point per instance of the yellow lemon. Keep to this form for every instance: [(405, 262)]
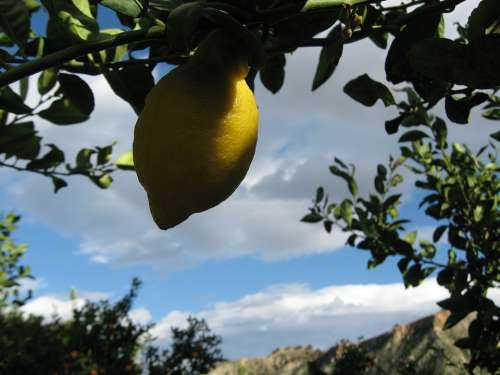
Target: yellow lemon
[(196, 136)]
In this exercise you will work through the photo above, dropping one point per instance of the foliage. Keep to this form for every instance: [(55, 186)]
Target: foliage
[(100, 338), (12, 273), (194, 351), (462, 185)]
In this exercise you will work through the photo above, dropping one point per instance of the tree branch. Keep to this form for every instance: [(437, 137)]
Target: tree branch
[(68, 54)]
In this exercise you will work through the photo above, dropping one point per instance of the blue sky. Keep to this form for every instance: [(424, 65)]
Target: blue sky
[(258, 275)]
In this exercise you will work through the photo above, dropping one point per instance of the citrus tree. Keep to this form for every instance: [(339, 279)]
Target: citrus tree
[(462, 183)]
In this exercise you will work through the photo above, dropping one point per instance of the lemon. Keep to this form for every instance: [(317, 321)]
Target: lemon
[(196, 136)]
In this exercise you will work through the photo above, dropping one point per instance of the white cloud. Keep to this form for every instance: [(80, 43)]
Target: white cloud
[(295, 314), (140, 315), (50, 307)]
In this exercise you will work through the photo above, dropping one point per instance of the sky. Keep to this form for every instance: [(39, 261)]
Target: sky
[(259, 276)]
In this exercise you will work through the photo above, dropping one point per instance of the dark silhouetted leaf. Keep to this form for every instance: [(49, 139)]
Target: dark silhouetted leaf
[(459, 110), (482, 17), (420, 27), (63, 112), (12, 102), (78, 92), (15, 20), (59, 183), (272, 74), (367, 91), (312, 217), (132, 84), (51, 159), (329, 57), (496, 136), (438, 233), (412, 136)]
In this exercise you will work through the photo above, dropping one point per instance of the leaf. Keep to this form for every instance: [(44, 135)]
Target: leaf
[(103, 181), (63, 112), (457, 303), (403, 264), (272, 74), (367, 91), (319, 4), (412, 136), (72, 17), (492, 114), (59, 183), (351, 183), (78, 92), (132, 8), (445, 276), (397, 63), (312, 217), (82, 159), (47, 80), (458, 111), (482, 17), (302, 26), (19, 140), (15, 20), (438, 233), (51, 159), (126, 161), (182, 23), (24, 87), (496, 136), (329, 57), (473, 65), (428, 249), (12, 102), (346, 211), (414, 276), (132, 84), (320, 193), (165, 5)]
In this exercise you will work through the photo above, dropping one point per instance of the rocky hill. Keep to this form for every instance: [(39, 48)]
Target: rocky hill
[(423, 347)]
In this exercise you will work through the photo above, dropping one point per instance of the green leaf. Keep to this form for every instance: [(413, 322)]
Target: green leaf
[(410, 237), (351, 183), (47, 80), (329, 57), (272, 74), (78, 92), (459, 110), (15, 20), (492, 114), (126, 161), (82, 159), (440, 132), (132, 84), (428, 249), (412, 136), (63, 112), (32, 5), (346, 211), (73, 17), (482, 17), (59, 183), (312, 217), (367, 91), (103, 181), (12, 102), (320, 4), (130, 8), (24, 87), (19, 140)]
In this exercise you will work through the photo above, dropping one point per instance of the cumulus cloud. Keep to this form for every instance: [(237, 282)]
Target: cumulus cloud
[(295, 314)]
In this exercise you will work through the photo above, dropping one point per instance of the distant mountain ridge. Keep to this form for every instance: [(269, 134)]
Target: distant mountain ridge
[(423, 344)]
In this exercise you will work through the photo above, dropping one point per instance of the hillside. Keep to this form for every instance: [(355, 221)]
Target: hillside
[(422, 344)]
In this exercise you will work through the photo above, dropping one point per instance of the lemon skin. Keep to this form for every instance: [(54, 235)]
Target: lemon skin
[(195, 138)]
